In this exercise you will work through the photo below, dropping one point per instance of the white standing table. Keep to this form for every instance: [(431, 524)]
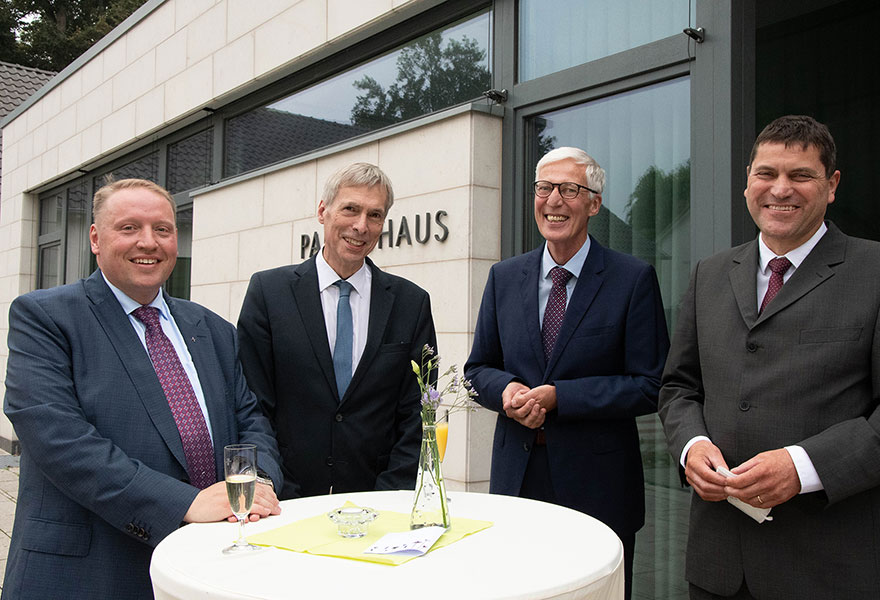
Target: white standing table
[(533, 550)]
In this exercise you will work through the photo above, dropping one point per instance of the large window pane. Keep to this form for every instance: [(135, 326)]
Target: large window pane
[(51, 213), (178, 282), (642, 140), (564, 33), (145, 167), (438, 70), (189, 162), (50, 259), (79, 261)]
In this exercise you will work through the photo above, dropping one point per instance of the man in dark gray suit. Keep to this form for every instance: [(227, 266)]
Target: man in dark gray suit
[(117, 449), (774, 374), (326, 345)]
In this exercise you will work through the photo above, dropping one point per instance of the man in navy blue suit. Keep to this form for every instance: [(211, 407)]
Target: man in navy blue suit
[(569, 348), (112, 412)]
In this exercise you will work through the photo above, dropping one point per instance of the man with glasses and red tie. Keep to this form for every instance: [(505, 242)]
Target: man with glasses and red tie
[(123, 399), (772, 390), (569, 347)]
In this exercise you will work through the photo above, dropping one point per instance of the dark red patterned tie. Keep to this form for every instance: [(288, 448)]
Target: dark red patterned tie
[(778, 266), (181, 398), (555, 310)]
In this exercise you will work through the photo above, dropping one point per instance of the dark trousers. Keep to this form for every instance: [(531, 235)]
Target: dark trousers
[(537, 485)]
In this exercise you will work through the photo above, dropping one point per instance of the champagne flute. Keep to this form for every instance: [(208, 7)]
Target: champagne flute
[(240, 467)]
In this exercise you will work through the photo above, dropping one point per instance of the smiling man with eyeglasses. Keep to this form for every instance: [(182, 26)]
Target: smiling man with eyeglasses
[(569, 348)]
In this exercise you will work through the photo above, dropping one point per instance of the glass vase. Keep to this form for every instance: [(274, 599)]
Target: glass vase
[(430, 507)]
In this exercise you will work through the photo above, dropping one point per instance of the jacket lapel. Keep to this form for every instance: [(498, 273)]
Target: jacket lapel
[(528, 288), (135, 361), (744, 281), (304, 287), (816, 268)]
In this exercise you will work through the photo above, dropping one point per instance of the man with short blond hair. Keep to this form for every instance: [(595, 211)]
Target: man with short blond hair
[(123, 399)]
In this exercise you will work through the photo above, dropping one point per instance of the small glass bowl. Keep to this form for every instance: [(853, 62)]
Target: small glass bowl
[(352, 521)]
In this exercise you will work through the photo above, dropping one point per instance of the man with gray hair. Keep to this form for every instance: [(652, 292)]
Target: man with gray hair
[(569, 348), (326, 346)]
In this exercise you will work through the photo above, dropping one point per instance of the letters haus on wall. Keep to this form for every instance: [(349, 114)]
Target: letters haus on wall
[(425, 228)]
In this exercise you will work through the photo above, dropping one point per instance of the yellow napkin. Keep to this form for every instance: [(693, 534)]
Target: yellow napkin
[(317, 535)]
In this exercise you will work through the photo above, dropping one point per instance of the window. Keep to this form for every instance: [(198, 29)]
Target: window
[(556, 35), (433, 72), (189, 162), (66, 213)]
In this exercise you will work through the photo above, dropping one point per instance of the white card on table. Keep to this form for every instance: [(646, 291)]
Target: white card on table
[(417, 541)]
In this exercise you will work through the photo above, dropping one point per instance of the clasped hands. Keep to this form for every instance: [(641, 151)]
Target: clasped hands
[(528, 406), (212, 504), (764, 481)]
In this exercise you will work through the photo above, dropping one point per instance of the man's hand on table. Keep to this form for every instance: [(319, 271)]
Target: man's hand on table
[(212, 504)]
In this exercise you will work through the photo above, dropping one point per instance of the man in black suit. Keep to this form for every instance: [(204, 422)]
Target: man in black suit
[(326, 345)]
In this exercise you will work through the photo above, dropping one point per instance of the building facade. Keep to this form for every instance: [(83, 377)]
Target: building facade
[(242, 110)]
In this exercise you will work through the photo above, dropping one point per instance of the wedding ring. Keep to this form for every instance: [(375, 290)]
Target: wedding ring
[(760, 500)]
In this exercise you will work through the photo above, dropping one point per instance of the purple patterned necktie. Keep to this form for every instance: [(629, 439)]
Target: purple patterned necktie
[(182, 399), (778, 266), (555, 310)]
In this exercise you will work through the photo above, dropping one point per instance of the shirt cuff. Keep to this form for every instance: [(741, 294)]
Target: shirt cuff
[(810, 481), (684, 453)]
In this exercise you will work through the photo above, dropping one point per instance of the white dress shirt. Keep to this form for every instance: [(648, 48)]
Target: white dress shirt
[(545, 282), (172, 332), (359, 301), (807, 474)]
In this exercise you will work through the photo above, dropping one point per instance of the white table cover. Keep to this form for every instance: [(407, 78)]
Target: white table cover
[(533, 550)]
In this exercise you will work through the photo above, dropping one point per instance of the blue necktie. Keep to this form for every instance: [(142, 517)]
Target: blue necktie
[(344, 335)]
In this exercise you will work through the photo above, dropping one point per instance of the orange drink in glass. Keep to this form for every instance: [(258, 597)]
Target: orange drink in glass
[(442, 433)]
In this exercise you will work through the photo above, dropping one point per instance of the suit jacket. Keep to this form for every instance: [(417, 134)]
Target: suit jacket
[(606, 367), (103, 476), (370, 438), (805, 372)]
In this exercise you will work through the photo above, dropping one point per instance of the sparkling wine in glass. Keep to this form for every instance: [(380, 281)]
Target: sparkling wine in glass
[(240, 466)]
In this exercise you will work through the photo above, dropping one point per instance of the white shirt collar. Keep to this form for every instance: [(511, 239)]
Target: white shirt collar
[(327, 276), (129, 305), (796, 256), (574, 264)]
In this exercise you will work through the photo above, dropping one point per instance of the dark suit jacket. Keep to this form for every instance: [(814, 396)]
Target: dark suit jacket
[(805, 372), (103, 476), (371, 438), (606, 367)]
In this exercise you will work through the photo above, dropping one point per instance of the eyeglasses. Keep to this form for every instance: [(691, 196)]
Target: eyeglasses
[(567, 189)]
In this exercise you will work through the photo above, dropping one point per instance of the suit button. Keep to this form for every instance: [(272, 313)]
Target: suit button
[(526, 446), (329, 461), (751, 346), (129, 528), (340, 417), (744, 405)]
